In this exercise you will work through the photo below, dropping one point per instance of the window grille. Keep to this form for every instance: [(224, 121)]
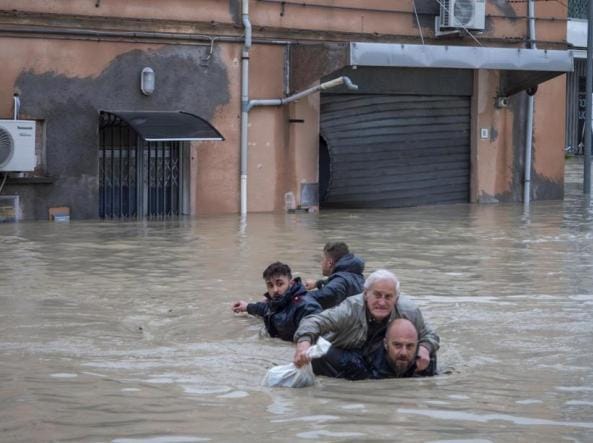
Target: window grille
[(137, 179)]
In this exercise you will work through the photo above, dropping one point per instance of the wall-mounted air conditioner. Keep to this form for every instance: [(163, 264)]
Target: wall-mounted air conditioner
[(459, 14), (17, 145)]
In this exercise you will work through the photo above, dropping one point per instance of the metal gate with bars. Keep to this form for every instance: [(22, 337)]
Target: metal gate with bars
[(575, 107), (137, 178)]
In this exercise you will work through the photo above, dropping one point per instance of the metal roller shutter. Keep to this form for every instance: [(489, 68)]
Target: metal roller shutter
[(395, 150)]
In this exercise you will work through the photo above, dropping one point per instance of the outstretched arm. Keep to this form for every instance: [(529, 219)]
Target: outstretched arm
[(251, 308), (313, 326), (239, 306)]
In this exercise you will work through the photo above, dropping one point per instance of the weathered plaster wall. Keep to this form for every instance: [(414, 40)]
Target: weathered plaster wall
[(493, 168), (499, 167), (269, 162), (304, 143), (187, 10), (66, 83), (506, 22), (549, 124), (59, 79), (216, 179)]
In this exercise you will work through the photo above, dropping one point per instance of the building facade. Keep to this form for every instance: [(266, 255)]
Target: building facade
[(439, 113)]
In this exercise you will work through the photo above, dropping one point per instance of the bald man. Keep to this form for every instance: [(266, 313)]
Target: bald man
[(399, 354), (396, 358)]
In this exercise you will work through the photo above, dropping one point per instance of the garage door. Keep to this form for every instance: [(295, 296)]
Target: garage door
[(386, 150)]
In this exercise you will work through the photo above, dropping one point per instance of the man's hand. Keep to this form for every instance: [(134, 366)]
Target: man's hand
[(423, 359), (310, 285), (239, 306), (300, 356)]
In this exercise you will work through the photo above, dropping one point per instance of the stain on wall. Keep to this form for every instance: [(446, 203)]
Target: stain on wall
[(545, 189), (542, 187), (504, 7), (519, 108), (70, 107), (235, 11)]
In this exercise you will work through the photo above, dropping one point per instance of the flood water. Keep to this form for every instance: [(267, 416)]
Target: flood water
[(123, 332)]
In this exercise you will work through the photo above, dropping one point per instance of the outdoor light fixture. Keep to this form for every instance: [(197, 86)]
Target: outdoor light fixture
[(147, 81)]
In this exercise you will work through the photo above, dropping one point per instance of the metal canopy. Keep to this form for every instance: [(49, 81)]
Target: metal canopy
[(521, 68), (158, 126)]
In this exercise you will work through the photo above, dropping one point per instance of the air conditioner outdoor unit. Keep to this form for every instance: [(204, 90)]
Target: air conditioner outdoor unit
[(469, 14), (17, 145)]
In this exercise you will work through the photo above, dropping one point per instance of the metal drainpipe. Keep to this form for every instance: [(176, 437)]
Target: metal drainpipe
[(530, 101), (277, 102), (325, 85), (245, 103)]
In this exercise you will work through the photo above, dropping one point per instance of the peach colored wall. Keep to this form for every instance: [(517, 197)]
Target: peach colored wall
[(216, 185), (379, 17), (267, 133), (304, 142), (496, 161), (275, 166), (65, 66), (549, 127), (492, 173), (283, 155), (187, 10), (215, 166)]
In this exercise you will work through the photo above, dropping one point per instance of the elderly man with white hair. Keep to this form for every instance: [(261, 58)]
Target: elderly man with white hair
[(360, 323)]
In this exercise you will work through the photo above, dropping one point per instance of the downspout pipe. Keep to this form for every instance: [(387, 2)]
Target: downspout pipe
[(244, 103), (247, 105), (530, 103)]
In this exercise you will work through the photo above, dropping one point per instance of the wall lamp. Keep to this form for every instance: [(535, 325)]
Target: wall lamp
[(147, 81)]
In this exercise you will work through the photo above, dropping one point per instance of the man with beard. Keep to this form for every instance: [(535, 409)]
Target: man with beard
[(286, 302), (397, 358), (344, 275), (357, 327)]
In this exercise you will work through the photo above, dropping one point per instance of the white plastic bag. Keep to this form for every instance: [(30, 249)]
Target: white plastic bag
[(289, 376)]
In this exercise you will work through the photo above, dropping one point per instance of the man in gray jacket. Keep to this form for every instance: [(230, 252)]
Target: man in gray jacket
[(360, 323)]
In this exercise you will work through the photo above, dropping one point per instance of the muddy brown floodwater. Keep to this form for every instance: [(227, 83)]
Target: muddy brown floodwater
[(122, 331)]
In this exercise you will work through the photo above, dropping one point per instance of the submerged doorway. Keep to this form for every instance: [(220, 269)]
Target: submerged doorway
[(144, 162), (138, 178)]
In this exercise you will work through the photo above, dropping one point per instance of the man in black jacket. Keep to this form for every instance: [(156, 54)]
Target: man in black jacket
[(344, 271), (287, 302), (393, 357)]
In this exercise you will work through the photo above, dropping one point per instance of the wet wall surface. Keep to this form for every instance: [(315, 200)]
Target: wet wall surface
[(186, 79), (123, 332)]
